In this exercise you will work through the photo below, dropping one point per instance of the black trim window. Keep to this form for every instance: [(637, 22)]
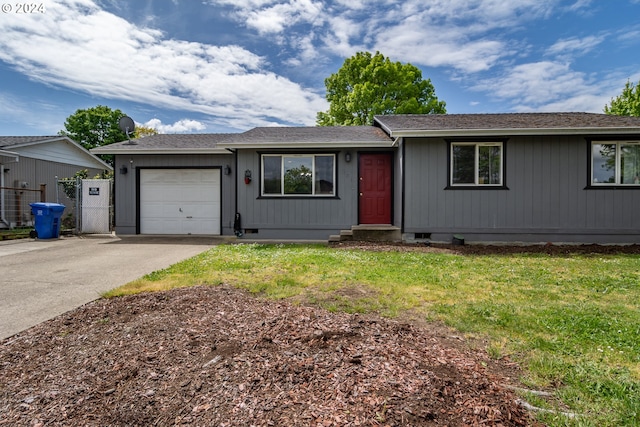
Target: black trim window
[(476, 164), (298, 175), (615, 163)]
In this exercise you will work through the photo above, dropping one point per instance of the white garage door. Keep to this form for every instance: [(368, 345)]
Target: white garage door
[(180, 201)]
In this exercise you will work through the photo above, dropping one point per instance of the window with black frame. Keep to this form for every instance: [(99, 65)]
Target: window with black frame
[(476, 164), (298, 175), (615, 163)]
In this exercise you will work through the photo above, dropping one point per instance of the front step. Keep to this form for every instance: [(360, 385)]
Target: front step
[(369, 233)]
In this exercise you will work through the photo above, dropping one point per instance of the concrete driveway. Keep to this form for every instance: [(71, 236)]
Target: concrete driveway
[(41, 279)]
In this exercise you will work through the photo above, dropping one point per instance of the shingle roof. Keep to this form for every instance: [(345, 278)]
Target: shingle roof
[(272, 137), (521, 123), (317, 134), (164, 143)]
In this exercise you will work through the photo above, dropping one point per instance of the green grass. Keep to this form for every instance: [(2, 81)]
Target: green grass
[(571, 321), (15, 233)]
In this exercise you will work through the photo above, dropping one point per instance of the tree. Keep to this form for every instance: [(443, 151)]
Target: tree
[(298, 180), (94, 127), (368, 85), (627, 103), (142, 131)]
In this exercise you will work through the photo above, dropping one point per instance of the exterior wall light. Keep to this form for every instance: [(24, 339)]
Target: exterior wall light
[(347, 157), (227, 170), (123, 170)]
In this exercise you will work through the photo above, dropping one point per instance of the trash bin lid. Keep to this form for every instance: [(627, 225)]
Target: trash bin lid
[(54, 207)]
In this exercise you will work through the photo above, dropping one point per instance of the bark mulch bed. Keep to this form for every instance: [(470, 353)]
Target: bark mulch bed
[(216, 356)]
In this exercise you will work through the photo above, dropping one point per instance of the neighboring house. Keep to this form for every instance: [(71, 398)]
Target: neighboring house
[(29, 166), (530, 177)]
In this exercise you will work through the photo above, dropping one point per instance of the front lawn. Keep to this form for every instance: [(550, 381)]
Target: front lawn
[(571, 321)]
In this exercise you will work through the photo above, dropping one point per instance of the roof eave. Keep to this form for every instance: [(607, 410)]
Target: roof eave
[(306, 145), (104, 165), (7, 153), (131, 151), (408, 133)]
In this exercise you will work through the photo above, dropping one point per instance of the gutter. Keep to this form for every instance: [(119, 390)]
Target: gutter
[(13, 154), (129, 151), (426, 133)]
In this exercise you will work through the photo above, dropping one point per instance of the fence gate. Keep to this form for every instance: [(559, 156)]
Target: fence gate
[(95, 206)]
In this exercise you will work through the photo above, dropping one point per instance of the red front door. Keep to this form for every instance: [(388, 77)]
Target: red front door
[(375, 188)]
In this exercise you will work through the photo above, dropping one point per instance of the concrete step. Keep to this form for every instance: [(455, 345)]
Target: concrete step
[(369, 233)]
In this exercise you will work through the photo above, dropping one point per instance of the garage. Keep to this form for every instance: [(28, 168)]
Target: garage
[(180, 201)]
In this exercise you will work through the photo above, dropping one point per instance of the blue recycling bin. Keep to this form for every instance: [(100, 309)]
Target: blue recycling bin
[(47, 219)]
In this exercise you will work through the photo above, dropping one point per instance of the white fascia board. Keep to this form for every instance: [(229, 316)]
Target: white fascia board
[(5, 153), (305, 145), (451, 133)]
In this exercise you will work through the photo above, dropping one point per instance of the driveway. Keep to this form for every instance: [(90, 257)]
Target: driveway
[(41, 279)]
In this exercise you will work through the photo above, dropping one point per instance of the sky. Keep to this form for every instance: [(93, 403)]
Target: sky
[(209, 66)]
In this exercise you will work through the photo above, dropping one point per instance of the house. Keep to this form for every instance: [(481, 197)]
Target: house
[(536, 177), (517, 177), (29, 168)]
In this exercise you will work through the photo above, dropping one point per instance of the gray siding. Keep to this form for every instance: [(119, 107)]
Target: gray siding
[(546, 200), (35, 172), (297, 218), (126, 186)]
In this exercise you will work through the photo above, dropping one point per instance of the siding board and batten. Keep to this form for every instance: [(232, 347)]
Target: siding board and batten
[(546, 196), (546, 173)]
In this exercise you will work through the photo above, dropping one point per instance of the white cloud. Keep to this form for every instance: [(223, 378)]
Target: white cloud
[(550, 86), (470, 36), (269, 17), (535, 83), (78, 46), (576, 45), (181, 126), (439, 33)]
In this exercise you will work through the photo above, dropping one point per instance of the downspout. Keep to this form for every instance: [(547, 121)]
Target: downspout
[(3, 219), (403, 203), (235, 190)]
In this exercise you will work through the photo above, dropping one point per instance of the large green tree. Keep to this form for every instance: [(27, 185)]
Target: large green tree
[(627, 103), (94, 127), (368, 85)]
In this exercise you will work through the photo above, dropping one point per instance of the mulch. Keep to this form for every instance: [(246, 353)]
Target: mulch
[(217, 356), (478, 249)]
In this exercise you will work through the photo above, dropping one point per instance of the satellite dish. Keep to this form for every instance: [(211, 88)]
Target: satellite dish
[(127, 126)]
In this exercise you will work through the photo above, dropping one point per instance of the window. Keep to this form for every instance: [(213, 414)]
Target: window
[(298, 175), (615, 163), (478, 164)]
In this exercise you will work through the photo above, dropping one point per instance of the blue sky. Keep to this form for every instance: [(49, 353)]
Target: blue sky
[(231, 65)]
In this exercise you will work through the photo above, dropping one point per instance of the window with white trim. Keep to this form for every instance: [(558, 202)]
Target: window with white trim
[(615, 163), (298, 174), (476, 164)]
